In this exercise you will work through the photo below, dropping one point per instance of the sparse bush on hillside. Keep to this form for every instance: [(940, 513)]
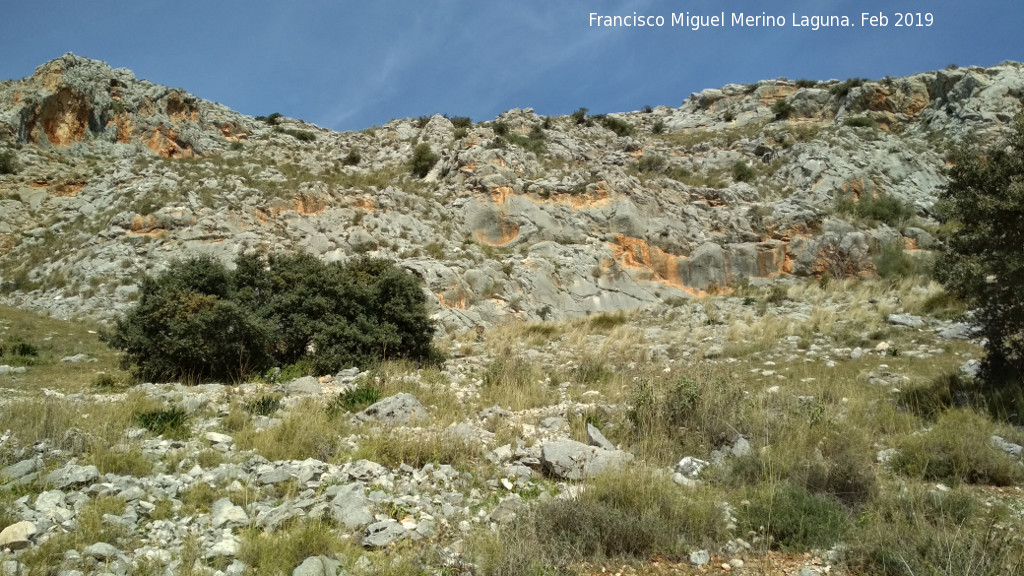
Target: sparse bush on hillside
[(300, 135), (782, 109), (658, 127), (860, 122), (894, 262), (8, 162), (199, 321), (462, 121), (353, 158), (580, 116), (843, 88), (653, 163), (876, 208), (617, 125), (742, 172), (794, 518), (423, 159)]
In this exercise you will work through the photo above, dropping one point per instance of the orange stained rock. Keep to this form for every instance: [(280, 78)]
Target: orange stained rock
[(664, 267), (165, 143), (123, 121), (501, 193), (509, 231), (306, 204), (68, 189), (179, 109), (458, 301), (64, 117)]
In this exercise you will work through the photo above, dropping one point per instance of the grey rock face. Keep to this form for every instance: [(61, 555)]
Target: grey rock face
[(225, 513), (906, 320), (595, 438), (101, 551), (351, 507), (72, 475), (383, 533), (305, 385), (573, 460), (318, 566), (1011, 449), (700, 558), (691, 467), (396, 410)]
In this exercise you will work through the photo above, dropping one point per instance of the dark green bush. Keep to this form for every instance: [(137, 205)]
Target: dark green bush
[(658, 127), (8, 162), (860, 122), (843, 88), (617, 125), (353, 158), (300, 135), (273, 119), (354, 400), (501, 129), (462, 122), (742, 172), (423, 159), (782, 109), (580, 116), (957, 449), (199, 321)]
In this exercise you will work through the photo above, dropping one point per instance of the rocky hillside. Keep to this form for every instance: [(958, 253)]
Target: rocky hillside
[(109, 177)]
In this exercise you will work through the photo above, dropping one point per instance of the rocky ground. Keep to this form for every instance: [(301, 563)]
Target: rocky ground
[(194, 479), (669, 346)]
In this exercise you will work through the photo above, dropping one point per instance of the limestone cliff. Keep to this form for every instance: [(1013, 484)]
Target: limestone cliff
[(524, 215)]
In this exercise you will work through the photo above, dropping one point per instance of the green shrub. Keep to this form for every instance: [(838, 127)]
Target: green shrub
[(741, 172), (957, 449), (843, 88), (462, 122), (782, 109), (423, 159), (940, 533), (9, 162), (300, 135), (273, 120), (353, 158), (198, 321), (459, 133), (580, 116), (795, 519), (187, 325), (617, 125), (354, 400), (860, 122), (501, 129), (169, 422), (983, 262), (658, 127), (652, 163), (264, 405), (876, 208), (894, 262)]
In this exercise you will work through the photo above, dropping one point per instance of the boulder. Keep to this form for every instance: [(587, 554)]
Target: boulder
[(383, 533), (225, 513), (573, 460), (351, 507), (17, 536), (396, 410)]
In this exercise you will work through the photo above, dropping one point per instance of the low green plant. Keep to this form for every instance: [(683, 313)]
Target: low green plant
[(462, 121), (283, 551), (353, 158), (423, 159), (658, 127), (264, 405), (792, 518), (652, 163), (579, 116), (957, 449), (860, 122), (617, 125), (355, 400), (9, 162), (742, 172), (876, 208), (782, 109), (170, 422), (894, 262)]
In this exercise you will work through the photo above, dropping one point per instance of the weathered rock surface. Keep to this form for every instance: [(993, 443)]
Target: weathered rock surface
[(573, 460)]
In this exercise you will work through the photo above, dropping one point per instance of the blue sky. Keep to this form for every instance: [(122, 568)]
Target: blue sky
[(350, 65)]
